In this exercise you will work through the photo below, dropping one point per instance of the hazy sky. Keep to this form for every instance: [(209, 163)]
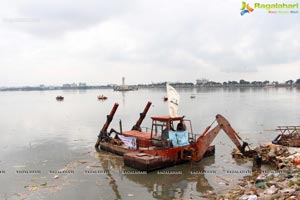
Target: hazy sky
[(98, 41)]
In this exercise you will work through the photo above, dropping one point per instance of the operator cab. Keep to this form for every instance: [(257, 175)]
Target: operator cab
[(174, 131)]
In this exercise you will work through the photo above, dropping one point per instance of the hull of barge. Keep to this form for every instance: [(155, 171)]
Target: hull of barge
[(149, 159)]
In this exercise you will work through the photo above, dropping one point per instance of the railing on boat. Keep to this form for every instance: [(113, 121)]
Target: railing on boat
[(291, 130)]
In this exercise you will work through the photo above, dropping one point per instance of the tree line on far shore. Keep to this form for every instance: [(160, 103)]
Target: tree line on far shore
[(241, 83)]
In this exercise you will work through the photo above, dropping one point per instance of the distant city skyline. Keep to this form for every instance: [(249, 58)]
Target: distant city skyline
[(99, 42), (198, 82)]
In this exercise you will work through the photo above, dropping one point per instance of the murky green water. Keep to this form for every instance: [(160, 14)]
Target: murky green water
[(40, 136)]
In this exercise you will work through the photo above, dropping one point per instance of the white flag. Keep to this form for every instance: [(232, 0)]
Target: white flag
[(173, 99)]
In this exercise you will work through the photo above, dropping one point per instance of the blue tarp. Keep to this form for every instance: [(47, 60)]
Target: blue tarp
[(179, 138)]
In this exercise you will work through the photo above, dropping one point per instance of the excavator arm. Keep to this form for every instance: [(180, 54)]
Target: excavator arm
[(103, 135), (207, 137), (235, 138)]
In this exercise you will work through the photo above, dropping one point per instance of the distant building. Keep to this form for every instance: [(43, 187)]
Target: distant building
[(73, 85), (112, 85), (202, 81), (66, 85), (82, 84)]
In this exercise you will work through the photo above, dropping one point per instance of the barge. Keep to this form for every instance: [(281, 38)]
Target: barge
[(164, 145)]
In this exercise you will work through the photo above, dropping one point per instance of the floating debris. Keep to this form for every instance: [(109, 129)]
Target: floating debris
[(34, 179), (43, 184), (31, 187), (56, 177)]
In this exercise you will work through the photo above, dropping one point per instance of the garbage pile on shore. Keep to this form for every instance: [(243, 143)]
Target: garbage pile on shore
[(281, 183)]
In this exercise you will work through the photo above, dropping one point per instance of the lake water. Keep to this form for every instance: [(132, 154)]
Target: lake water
[(40, 136)]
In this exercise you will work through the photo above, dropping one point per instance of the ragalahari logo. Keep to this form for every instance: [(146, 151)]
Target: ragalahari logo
[(246, 8)]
